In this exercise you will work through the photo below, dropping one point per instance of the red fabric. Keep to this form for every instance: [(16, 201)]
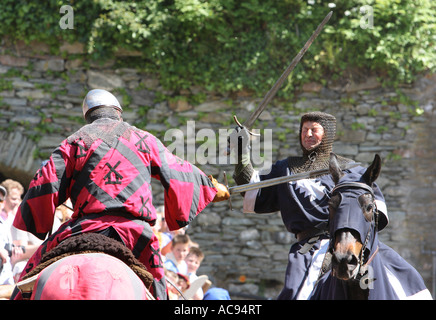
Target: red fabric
[(88, 277), (184, 190), (113, 175), (177, 193)]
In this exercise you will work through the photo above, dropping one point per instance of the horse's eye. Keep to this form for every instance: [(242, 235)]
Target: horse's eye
[(369, 212), (369, 207)]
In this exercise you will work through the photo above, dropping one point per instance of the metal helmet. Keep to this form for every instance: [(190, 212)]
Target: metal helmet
[(99, 98)]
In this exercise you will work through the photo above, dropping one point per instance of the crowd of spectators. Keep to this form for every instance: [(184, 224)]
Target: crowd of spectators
[(182, 259)]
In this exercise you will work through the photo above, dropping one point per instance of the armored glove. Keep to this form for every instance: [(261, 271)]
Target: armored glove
[(239, 143), (223, 192)]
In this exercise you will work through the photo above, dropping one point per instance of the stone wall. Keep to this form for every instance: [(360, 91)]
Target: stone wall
[(40, 104)]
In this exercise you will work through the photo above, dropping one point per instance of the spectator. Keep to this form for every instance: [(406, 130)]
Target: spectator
[(6, 276), (160, 229), (12, 200), (167, 236), (17, 251), (175, 260), (182, 282), (24, 244), (193, 262), (63, 214), (158, 225), (172, 278)]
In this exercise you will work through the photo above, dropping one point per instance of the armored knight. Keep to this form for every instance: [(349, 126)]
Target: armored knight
[(303, 204), (105, 168)]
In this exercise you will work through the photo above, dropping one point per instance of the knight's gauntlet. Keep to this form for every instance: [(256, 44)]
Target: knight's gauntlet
[(223, 192)]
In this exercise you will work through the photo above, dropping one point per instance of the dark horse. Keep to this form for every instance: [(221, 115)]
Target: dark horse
[(362, 267)]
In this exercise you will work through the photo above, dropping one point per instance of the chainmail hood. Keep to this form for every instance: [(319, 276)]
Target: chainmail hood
[(318, 157), (105, 129), (102, 112)]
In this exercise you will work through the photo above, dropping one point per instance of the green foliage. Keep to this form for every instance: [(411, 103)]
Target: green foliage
[(401, 43), (6, 85), (233, 45)]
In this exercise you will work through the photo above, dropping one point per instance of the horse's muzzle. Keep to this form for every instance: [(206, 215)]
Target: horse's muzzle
[(345, 261), (344, 266)]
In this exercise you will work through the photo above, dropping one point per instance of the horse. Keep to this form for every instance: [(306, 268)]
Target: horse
[(89, 266), (361, 266)]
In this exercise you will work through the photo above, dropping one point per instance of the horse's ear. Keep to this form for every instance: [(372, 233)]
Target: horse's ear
[(334, 168), (371, 174)]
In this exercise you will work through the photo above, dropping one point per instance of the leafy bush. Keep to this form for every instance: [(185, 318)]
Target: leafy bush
[(232, 45)]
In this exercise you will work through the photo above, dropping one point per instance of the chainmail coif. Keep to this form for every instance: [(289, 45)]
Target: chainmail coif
[(318, 157), (105, 124)]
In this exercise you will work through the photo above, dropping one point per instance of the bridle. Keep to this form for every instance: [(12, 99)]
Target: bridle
[(362, 265)]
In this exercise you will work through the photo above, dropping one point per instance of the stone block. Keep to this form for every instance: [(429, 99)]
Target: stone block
[(102, 80), (14, 102), (355, 136), (13, 61), (73, 48), (26, 118), (49, 65), (346, 149), (180, 105), (249, 234), (369, 84), (213, 106), (21, 84), (33, 94), (143, 97)]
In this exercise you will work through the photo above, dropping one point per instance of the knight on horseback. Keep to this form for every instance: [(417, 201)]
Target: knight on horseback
[(303, 204), (106, 169)]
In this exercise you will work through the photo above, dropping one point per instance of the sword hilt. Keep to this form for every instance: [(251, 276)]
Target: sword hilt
[(240, 125)]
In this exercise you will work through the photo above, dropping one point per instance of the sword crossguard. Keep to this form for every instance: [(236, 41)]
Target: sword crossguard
[(240, 125)]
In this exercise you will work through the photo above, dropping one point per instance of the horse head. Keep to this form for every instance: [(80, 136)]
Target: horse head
[(353, 219)]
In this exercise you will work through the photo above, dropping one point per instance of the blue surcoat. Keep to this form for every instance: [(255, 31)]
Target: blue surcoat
[(303, 205)]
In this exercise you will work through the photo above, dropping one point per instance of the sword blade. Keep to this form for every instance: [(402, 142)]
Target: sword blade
[(285, 179), (272, 92)]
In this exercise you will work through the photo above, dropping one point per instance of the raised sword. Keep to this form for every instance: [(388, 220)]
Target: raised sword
[(272, 92)]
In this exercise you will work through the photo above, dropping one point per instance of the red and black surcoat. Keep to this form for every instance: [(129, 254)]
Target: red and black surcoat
[(106, 169)]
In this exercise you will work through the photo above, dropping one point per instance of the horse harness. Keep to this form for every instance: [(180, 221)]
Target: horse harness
[(363, 266), (315, 233)]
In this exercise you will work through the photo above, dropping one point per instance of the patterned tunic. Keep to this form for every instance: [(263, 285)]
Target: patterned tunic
[(106, 169)]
